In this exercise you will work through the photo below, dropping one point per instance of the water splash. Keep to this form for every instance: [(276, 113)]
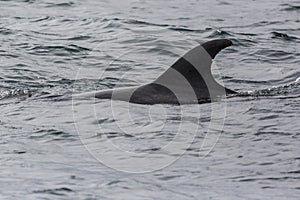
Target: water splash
[(15, 93), (273, 91)]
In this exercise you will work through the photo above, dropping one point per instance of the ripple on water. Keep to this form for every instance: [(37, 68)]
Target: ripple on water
[(290, 7), (64, 4), (220, 33), (62, 191), (283, 36), (47, 135), (58, 50), (5, 31)]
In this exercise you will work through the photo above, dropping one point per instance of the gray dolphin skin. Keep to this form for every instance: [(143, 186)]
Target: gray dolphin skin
[(187, 81)]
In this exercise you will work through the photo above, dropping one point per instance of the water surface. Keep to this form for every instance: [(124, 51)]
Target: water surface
[(53, 149)]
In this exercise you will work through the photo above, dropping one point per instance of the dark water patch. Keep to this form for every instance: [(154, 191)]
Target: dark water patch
[(8, 55), (267, 179), (64, 5), (292, 172), (57, 191), (265, 23), (79, 38), (104, 120), (46, 33), (266, 163), (217, 20), (41, 19), (114, 182), (267, 187), (111, 135), (5, 31), (153, 150), (235, 80), (269, 117), (47, 135), (137, 8), (74, 177), (23, 1), (283, 36), (58, 50), (247, 34), (277, 133), (224, 3), (179, 18), (290, 7), (167, 178), (19, 152)]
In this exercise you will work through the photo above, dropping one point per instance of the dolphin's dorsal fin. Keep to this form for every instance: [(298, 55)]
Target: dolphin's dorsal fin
[(215, 46), (195, 67)]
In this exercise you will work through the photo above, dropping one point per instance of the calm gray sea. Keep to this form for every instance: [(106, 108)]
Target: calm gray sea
[(243, 147)]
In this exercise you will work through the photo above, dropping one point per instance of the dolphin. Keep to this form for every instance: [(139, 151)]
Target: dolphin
[(187, 81)]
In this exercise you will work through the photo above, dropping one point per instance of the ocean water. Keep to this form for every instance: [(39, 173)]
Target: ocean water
[(242, 147)]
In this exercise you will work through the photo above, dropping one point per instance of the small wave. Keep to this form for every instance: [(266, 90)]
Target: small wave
[(168, 26), (111, 135), (5, 31), (57, 191), (289, 7), (279, 133), (234, 80), (224, 3), (79, 37), (40, 19), (25, 1), (139, 22), (51, 135), (181, 29), (266, 23), (248, 34), (272, 55), (266, 179), (58, 50), (283, 36), (243, 42), (65, 4), (219, 33)]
